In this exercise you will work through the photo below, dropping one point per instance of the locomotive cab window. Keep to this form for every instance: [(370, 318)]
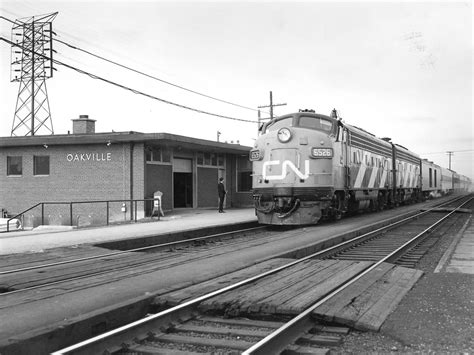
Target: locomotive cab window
[(316, 123), (280, 123)]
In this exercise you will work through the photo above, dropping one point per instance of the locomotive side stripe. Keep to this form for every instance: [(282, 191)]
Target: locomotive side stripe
[(383, 178), (410, 175), (360, 176), (373, 175)]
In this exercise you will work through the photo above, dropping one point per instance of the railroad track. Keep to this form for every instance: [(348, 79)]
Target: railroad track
[(184, 328), (375, 246), (21, 279)]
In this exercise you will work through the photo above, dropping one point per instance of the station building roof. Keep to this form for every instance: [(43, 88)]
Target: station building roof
[(170, 140)]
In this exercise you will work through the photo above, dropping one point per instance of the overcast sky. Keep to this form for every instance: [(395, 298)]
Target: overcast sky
[(396, 69)]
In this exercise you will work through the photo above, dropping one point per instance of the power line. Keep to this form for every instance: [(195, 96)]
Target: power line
[(452, 151), (147, 75), (93, 76), (151, 76)]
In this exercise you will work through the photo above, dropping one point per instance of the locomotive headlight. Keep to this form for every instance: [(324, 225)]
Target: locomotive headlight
[(284, 135), (321, 152)]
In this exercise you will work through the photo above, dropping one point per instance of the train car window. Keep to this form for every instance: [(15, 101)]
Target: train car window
[(276, 125), (315, 123)]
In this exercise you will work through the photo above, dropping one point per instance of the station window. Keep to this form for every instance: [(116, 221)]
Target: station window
[(148, 154), (210, 159), (157, 154), (207, 158), (200, 158), (165, 156), (41, 165), (244, 174), (220, 159), (14, 166)]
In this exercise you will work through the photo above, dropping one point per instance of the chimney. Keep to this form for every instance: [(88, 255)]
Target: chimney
[(83, 125)]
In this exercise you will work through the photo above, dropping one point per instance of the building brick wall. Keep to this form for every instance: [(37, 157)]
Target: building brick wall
[(77, 173)]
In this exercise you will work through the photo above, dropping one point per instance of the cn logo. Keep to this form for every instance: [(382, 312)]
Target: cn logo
[(284, 166)]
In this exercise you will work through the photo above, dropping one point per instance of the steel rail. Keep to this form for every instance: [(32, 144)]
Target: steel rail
[(102, 272), (163, 245), (277, 340), (167, 245), (97, 343)]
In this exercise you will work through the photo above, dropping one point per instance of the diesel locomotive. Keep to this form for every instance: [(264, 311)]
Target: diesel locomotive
[(308, 166)]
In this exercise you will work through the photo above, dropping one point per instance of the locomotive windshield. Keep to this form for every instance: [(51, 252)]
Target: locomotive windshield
[(316, 123), (277, 124)]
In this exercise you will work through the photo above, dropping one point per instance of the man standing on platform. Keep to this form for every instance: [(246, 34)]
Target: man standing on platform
[(221, 192)]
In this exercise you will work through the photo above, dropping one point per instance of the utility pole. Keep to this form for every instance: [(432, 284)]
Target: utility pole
[(450, 153), (32, 64), (271, 106)]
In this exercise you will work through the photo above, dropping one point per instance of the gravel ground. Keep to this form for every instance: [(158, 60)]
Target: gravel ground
[(435, 317)]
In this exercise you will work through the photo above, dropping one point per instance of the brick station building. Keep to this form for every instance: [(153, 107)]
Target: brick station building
[(89, 166)]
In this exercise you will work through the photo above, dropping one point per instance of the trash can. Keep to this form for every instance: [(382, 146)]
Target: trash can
[(157, 210)]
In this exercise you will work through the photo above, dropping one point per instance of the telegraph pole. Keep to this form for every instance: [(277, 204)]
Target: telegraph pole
[(271, 106), (450, 153)]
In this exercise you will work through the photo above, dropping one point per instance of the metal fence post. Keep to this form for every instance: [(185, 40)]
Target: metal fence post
[(107, 212), (135, 211), (70, 212), (42, 214)]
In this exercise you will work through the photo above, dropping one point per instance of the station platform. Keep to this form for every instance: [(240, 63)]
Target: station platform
[(459, 257), (47, 237)]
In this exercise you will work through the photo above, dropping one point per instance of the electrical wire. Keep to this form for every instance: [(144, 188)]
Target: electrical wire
[(144, 74), (450, 151), (151, 76), (138, 92)]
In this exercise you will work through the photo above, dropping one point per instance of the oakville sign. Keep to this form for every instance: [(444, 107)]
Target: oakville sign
[(89, 157)]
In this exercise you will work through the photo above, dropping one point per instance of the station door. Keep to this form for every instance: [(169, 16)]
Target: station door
[(182, 183)]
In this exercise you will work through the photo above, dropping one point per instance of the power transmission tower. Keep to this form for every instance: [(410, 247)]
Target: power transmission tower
[(272, 105), (31, 65)]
